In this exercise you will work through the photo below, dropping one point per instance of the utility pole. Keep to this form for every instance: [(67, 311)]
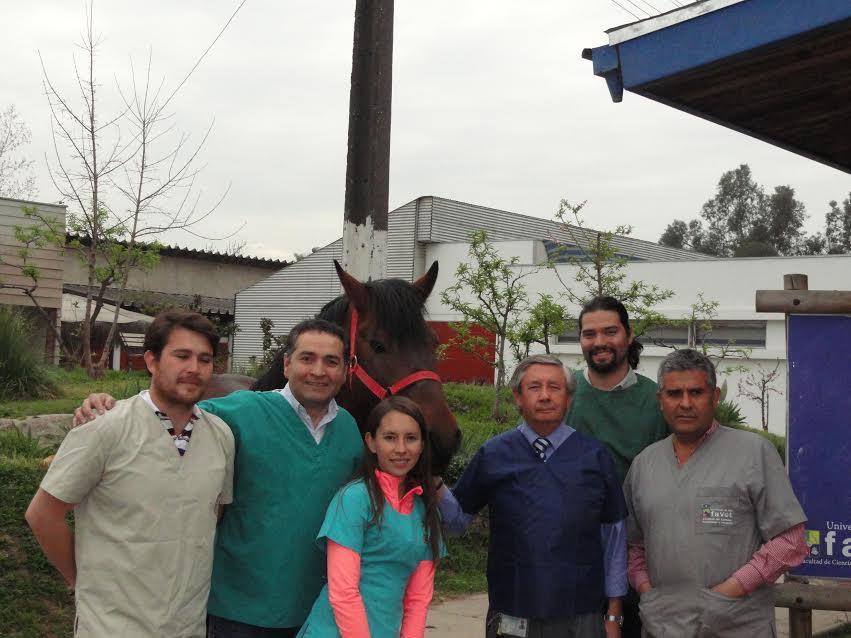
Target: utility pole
[(368, 158)]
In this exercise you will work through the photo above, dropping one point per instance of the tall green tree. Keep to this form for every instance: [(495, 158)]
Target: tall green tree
[(837, 224), (742, 220), (488, 291)]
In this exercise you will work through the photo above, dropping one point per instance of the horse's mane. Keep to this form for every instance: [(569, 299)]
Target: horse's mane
[(397, 304)]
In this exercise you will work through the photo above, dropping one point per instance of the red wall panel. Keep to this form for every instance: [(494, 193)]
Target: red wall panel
[(457, 365)]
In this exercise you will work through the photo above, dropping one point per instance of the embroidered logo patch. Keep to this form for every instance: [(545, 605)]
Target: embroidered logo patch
[(716, 515)]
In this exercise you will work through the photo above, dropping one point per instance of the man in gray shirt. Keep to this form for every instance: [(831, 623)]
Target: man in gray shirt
[(712, 516)]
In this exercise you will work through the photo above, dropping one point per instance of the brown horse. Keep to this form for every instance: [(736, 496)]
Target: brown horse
[(393, 346)]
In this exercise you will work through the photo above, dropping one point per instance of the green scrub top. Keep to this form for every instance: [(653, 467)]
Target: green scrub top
[(389, 555)]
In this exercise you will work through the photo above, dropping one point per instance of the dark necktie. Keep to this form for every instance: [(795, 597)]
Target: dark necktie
[(541, 444)]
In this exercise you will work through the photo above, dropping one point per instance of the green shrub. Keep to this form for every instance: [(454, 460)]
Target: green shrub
[(17, 444), (779, 442), (23, 374), (729, 414)]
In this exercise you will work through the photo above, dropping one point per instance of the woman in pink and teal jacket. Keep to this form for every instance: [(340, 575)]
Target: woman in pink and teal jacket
[(381, 535)]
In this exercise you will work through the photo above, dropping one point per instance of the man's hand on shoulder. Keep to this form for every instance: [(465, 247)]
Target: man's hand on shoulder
[(731, 588), (93, 406)]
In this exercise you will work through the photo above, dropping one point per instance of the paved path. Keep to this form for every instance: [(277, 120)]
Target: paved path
[(465, 618)]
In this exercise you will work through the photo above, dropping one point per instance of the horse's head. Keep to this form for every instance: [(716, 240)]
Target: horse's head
[(393, 344)]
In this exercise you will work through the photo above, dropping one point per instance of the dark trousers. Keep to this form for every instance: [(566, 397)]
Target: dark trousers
[(223, 628), (582, 626), (631, 620)]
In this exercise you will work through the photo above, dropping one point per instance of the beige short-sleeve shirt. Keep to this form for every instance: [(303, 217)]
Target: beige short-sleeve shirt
[(145, 520)]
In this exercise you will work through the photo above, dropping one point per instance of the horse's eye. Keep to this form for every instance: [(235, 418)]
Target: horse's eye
[(377, 346)]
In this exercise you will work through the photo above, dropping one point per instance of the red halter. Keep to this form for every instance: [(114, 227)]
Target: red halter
[(355, 369)]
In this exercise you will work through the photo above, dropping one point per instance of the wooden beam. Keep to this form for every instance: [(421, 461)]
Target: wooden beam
[(817, 302), (802, 596)]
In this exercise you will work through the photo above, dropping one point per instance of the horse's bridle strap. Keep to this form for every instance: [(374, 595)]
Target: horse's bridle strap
[(356, 370)]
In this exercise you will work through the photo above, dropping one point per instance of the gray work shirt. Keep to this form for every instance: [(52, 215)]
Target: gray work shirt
[(702, 521)]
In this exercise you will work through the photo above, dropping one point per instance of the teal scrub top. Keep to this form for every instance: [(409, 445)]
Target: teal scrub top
[(389, 555)]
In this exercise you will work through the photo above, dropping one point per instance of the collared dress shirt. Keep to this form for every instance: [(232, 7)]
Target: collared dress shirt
[(629, 380), (316, 431)]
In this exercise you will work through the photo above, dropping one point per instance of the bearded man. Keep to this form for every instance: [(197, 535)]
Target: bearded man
[(146, 483), (613, 403)]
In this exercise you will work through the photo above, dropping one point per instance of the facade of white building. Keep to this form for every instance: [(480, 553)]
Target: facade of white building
[(432, 228)]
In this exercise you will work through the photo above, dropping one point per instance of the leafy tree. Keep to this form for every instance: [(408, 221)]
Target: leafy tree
[(488, 291), (838, 227), (545, 319), (16, 179), (602, 270), (741, 220)]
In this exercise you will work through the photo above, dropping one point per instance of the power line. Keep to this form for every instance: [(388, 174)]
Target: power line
[(615, 2), (652, 7)]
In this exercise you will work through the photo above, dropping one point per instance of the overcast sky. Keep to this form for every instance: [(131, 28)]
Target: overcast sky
[(492, 104)]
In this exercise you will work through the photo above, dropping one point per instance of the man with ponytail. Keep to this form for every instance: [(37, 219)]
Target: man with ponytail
[(613, 403)]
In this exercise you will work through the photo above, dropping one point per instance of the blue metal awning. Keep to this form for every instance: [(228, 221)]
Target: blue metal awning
[(778, 70)]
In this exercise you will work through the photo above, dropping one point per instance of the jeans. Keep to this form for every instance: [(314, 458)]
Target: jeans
[(223, 628)]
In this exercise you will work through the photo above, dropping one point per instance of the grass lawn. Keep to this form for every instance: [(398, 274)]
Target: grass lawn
[(34, 602), (75, 386)]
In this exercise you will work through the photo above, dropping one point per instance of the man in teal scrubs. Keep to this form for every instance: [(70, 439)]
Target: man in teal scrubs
[(613, 403), (295, 448)]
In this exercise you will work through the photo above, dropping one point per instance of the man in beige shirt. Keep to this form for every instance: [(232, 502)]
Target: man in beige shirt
[(146, 482)]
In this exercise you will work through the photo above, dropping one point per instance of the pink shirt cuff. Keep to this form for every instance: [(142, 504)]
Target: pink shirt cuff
[(637, 566), (785, 551), (418, 595)]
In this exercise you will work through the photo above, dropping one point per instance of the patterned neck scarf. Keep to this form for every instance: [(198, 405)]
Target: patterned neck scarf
[(181, 441)]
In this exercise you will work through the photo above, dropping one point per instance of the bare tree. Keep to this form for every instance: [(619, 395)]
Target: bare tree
[(16, 178), (129, 175), (757, 385)]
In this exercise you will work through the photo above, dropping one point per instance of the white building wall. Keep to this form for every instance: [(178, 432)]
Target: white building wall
[(731, 282), (286, 297)]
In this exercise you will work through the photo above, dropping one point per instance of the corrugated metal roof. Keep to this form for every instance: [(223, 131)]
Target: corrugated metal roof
[(145, 299), (204, 255), (453, 221)]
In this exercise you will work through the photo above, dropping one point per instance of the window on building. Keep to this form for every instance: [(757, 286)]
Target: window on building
[(747, 334)]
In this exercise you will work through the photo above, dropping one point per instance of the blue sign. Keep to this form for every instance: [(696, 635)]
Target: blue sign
[(818, 445)]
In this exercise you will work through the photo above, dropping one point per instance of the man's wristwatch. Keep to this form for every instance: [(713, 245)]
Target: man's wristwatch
[(613, 618)]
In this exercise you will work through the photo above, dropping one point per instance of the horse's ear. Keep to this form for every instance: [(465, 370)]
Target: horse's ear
[(425, 284), (355, 290)]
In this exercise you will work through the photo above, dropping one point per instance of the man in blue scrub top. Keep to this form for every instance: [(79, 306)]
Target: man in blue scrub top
[(557, 548)]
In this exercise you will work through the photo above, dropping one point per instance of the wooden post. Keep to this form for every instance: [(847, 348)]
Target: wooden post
[(368, 158), (800, 620)]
